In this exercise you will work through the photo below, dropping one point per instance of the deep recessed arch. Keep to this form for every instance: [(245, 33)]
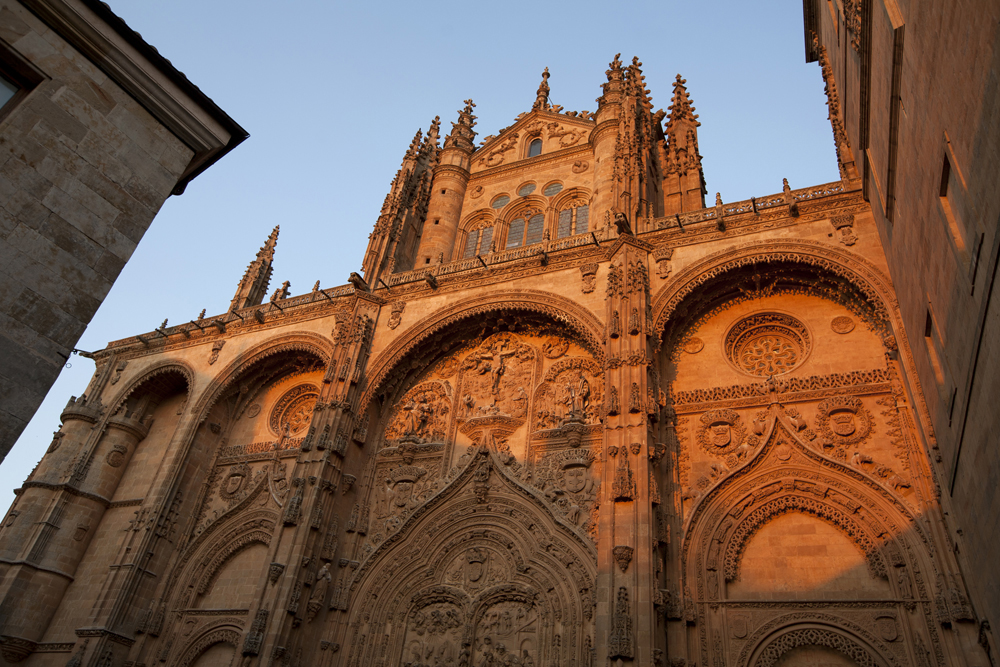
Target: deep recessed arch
[(581, 320), (771, 641), (160, 375)]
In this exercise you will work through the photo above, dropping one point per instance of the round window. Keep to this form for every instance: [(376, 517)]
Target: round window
[(767, 344), (500, 201), (526, 190), (552, 189)]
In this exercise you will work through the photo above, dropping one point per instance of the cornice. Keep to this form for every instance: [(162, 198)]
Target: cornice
[(505, 170), (72, 490), (105, 39)]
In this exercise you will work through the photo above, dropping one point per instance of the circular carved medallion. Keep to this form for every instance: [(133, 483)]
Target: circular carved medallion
[(477, 192), (294, 410), (842, 324), (253, 410), (116, 456), (580, 166), (843, 420), (694, 346), (721, 432), (235, 481), (555, 347), (766, 344)]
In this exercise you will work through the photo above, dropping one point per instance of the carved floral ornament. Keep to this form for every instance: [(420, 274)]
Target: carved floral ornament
[(293, 411), (766, 344)]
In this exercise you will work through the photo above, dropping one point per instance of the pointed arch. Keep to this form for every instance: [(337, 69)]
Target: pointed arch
[(482, 541), (157, 372), (783, 475), (306, 342), (560, 309), (209, 637)]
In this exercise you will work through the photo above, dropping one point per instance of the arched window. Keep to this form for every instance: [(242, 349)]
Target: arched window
[(478, 242), (526, 230), (573, 221), (535, 148)]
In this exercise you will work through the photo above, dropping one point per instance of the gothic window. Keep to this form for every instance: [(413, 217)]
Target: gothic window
[(535, 148), (526, 230), (500, 201), (478, 242), (526, 190), (572, 221), (552, 189)]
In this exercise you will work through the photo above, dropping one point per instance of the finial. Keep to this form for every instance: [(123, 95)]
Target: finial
[(718, 199), (201, 315), (164, 325), (784, 185), (316, 287), (542, 95), (616, 63)]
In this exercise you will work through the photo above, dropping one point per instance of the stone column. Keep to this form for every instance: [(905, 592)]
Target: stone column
[(626, 565)]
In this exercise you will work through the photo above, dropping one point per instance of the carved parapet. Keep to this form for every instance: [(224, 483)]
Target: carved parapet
[(82, 409)]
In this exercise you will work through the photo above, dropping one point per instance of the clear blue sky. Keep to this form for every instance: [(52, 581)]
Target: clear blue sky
[(332, 93)]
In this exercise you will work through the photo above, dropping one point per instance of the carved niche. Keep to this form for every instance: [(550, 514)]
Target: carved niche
[(573, 390), (422, 415)]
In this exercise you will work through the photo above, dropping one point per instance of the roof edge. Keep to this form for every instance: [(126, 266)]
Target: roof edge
[(150, 79)]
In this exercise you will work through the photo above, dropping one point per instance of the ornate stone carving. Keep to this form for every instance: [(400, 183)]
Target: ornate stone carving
[(841, 643), (693, 345), (766, 344), (842, 324), (216, 349), (624, 483), (421, 415), (843, 421), (116, 457), (554, 347), (588, 275), (572, 389), (293, 411), (623, 556), (396, 315), (580, 166), (721, 432), (620, 643)]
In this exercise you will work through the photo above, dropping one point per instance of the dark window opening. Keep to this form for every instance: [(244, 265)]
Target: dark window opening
[(535, 148)]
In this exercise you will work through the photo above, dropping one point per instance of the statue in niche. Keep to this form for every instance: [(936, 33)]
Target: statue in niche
[(494, 362), (421, 415), (571, 395)]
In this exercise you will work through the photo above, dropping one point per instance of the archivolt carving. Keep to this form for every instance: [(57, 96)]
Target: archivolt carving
[(867, 279), (310, 343), (229, 549), (164, 368), (217, 635), (791, 503), (770, 642), (462, 569), (560, 309)]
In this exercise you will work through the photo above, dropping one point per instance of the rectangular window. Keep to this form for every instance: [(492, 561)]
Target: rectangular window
[(470, 245), (17, 78), (516, 233), (582, 219), (565, 227), (485, 240), (944, 196), (536, 228)]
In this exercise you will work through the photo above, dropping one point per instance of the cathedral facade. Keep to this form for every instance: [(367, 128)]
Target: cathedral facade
[(569, 416)]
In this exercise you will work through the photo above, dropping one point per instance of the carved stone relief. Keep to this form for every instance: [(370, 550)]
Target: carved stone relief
[(766, 344), (293, 411)]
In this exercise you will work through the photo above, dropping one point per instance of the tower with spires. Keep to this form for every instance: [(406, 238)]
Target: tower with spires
[(568, 416)]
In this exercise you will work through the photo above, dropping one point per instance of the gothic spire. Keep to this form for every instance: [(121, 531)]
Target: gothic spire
[(542, 94), (253, 287), (462, 135), (680, 105)]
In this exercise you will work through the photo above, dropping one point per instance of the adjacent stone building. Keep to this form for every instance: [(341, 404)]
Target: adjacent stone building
[(97, 129), (569, 416), (919, 111)]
